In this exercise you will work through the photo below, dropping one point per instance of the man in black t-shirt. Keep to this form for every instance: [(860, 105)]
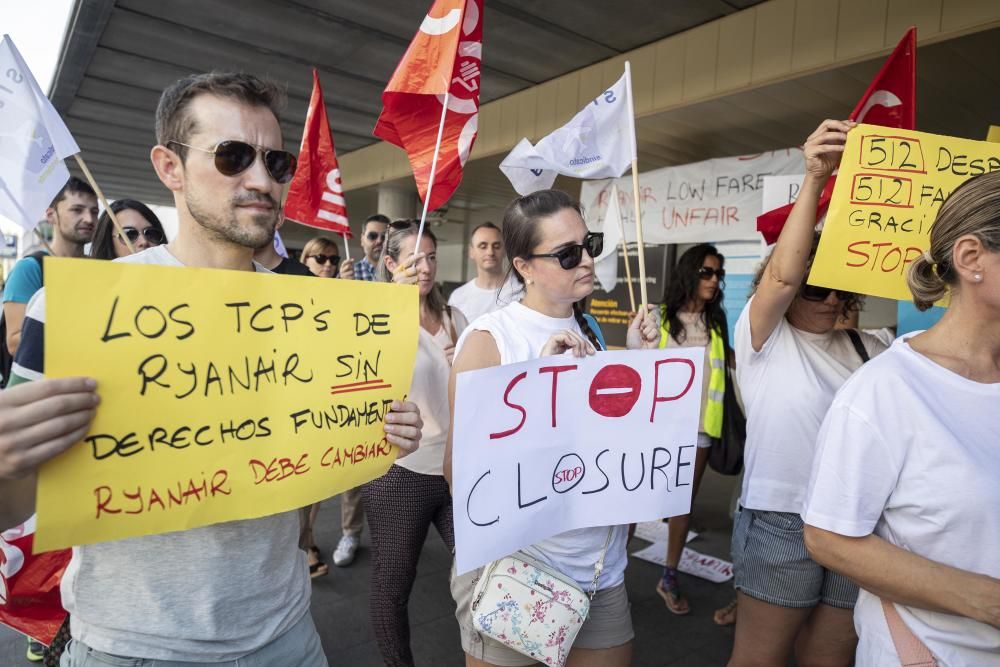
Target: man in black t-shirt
[(268, 257)]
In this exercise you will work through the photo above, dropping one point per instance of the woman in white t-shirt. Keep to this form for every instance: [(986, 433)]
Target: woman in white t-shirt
[(552, 255), (790, 361), (413, 495), (905, 489)]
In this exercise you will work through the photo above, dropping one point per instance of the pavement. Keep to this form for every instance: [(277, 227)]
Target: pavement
[(340, 600)]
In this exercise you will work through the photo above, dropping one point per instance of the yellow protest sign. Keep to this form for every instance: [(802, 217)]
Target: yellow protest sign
[(224, 394), (889, 189), (994, 134)]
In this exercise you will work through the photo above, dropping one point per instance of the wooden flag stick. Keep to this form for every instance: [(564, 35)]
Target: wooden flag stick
[(434, 164), (104, 201), (45, 241), (347, 250), (628, 265), (635, 190)]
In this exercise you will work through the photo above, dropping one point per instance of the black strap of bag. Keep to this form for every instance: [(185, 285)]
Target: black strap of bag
[(726, 454), (859, 347)]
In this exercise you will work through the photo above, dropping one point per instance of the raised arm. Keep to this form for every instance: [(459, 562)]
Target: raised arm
[(479, 351), (901, 576), (786, 270)]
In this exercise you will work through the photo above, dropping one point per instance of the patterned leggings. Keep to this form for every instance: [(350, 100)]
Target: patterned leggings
[(401, 506)]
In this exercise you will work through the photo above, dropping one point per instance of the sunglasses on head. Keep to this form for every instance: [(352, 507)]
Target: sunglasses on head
[(571, 256), (326, 259), (152, 235), (814, 293), (234, 157), (706, 273)]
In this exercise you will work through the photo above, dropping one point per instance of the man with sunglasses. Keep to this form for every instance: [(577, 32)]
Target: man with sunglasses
[(230, 593), (372, 240)]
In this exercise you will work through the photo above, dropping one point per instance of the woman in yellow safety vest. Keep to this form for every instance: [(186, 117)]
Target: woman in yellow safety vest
[(691, 315)]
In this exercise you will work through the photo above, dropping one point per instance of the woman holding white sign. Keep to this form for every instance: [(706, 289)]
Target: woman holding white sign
[(904, 494), (552, 255), (790, 361), (413, 495)]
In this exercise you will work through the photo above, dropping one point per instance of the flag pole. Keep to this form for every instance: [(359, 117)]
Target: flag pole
[(347, 251), (635, 190), (107, 206), (434, 162), (628, 267)]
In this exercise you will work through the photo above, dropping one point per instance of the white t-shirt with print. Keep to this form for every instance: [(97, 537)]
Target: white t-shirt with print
[(910, 451), (474, 301), (787, 388), (520, 334)]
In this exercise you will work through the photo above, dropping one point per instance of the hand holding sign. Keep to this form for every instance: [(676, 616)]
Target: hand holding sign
[(567, 341), (825, 147)]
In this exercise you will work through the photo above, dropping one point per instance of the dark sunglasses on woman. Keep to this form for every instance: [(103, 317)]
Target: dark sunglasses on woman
[(706, 273), (152, 235), (814, 293), (234, 157), (326, 259), (571, 256)]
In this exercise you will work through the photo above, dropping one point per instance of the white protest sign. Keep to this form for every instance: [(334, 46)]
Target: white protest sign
[(560, 443), (692, 562), (713, 200), (780, 191)]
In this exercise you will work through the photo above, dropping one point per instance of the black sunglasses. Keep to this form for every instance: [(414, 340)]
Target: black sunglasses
[(152, 235), (706, 273), (326, 259), (814, 293), (571, 256), (234, 157), (373, 236)]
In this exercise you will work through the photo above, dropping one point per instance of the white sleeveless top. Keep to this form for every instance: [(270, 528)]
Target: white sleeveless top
[(520, 334)]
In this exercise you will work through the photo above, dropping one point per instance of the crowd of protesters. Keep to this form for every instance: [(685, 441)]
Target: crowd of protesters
[(867, 524)]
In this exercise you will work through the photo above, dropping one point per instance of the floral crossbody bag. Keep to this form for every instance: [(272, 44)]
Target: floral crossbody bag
[(532, 607)]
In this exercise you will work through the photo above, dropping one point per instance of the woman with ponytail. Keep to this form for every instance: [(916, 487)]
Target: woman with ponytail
[(406, 501), (552, 255), (904, 491), (691, 315)]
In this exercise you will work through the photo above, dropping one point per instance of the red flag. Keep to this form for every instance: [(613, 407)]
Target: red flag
[(30, 601), (444, 56), (891, 101), (316, 196)]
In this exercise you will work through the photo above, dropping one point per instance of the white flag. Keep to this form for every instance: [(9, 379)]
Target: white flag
[(606, 266), (595, 144), (34, 141)]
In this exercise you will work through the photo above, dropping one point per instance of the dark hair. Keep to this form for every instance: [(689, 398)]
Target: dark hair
[(847, 306), (175, 124), (103, 245), (403, 229), (683, 286), (520, 235), (75, 185), (485, 225), (973, 208), (378, 217)]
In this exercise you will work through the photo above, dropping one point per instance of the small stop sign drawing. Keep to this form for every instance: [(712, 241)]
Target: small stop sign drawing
[(615, 390)]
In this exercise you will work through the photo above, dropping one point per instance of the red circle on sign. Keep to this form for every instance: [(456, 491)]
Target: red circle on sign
[(614, 391)]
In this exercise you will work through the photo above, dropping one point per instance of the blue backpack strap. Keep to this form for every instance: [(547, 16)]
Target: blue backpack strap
[(592, 321)]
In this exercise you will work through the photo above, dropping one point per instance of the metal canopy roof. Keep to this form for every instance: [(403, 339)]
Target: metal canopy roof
[(120, 54)]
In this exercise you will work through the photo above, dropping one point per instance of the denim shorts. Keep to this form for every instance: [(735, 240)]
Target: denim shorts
[(771, 564)]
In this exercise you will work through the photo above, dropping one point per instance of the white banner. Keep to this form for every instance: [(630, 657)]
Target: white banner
[(692, 562), (33, 142), (780, 191), (550, 445), (714, 200)]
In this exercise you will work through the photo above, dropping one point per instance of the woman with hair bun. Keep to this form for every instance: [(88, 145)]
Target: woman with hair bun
[(905, 487)]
